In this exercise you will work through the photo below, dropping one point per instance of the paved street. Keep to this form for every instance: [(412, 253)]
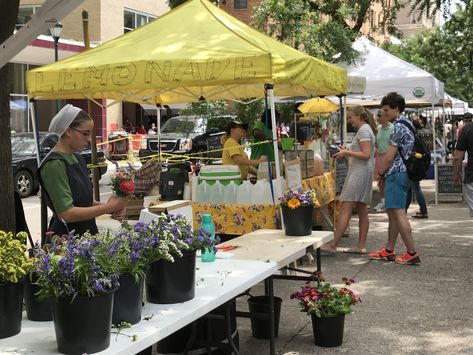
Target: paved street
[(406, 309)]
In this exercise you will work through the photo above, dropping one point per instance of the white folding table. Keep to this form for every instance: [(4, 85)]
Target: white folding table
[(216, 283)]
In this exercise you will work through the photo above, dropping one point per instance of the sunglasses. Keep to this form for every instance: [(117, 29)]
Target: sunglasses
[(84, 133)]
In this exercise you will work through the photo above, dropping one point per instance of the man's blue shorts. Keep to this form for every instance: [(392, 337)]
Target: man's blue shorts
[(395, 190)]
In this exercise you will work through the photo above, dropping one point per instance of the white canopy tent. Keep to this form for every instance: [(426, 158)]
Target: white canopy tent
[(385, 72)]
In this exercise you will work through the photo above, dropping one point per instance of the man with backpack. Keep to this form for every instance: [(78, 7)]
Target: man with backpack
[(393, 177), (465, 145)]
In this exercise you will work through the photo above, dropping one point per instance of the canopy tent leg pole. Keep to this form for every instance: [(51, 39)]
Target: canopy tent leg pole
[(273, 122), (44, 208), (434, 147), (158, 123), (344, 120)]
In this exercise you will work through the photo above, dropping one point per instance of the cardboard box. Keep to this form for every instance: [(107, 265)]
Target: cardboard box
[(166, 206)]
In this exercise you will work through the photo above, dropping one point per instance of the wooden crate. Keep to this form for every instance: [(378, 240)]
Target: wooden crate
[(134, 207)]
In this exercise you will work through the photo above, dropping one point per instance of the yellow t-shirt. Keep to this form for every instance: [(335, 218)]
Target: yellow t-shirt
[(231, 148)]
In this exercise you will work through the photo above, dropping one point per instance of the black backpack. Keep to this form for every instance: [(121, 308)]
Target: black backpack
[(419, 162)]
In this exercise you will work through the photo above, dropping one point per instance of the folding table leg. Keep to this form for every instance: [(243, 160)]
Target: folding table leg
[(268, 284), (229, 328), (191, 338), (319, 260)]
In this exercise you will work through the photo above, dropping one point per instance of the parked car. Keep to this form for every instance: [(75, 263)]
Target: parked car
[(24, 161), (187, 135)]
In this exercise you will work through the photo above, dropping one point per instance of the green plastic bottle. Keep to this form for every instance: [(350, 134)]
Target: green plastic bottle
[(207, 225)]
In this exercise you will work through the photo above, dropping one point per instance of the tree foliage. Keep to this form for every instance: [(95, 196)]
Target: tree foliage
[(445, 52), (325, 29)]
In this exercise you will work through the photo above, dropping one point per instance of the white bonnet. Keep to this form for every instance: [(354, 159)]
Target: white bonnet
[(63, 119)]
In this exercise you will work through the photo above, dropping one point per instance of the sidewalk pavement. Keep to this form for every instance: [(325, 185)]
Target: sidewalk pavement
[(425, 309)]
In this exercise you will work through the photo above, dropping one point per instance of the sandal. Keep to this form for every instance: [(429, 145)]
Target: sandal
[(328, 249), (355, 251)]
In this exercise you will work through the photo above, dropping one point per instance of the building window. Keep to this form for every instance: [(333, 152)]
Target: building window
[(240, 4), (24, 15), (133, 19)]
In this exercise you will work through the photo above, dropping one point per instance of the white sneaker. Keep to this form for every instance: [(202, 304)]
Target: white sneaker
[(379, 207)]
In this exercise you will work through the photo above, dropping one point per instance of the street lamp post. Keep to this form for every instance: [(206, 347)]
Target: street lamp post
[(56, 32)]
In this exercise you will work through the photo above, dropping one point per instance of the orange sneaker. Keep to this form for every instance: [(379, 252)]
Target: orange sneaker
[(382, 254), (406, 258)]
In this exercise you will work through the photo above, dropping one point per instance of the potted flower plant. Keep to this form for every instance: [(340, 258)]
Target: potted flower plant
[(133, 248), (13, 266), (327, 305), (162, 285), (74, 274), (297, 208)]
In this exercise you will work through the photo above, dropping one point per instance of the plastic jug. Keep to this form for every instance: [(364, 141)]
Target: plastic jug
[(216, 193), (244, 192), (207, 225), (261, 192), (203, 191), (230, 193)]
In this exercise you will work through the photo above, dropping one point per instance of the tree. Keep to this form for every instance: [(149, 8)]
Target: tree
[(7, 217), (445, 52), (325, 29)]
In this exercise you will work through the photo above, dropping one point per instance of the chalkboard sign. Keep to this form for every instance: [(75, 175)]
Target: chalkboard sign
[(341, 171), (445, 181)]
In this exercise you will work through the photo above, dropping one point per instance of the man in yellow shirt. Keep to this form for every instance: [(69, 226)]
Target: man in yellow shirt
[(233, 152)]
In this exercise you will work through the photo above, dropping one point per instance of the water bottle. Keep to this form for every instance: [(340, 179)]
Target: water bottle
[(208, 226)]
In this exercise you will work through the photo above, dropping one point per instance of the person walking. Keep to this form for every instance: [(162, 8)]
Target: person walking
[(395, 181), (385, 130), (415, 186), (65, 181), (465, 145), (357, 189)]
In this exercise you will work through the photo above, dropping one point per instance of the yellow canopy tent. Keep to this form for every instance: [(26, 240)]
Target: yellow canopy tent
[(196, 50)]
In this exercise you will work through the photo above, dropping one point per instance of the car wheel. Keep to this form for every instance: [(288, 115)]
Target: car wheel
[(24, 183)]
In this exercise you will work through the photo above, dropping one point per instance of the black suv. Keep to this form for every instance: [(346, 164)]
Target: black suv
[(25, 165), (187, 135)]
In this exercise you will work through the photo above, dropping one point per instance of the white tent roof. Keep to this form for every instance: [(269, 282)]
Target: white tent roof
[(385, 72)]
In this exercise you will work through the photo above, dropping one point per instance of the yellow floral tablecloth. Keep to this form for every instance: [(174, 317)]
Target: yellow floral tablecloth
[(324, 186), (235, 218)]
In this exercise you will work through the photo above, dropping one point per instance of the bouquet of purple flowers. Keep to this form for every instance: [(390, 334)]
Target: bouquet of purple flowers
[(73, 266)]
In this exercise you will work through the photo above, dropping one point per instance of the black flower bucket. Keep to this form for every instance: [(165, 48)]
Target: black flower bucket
[(328, 331), (168, 282), (84, 325), (11, 303), (298, 221), (36, 310), (128, 300)]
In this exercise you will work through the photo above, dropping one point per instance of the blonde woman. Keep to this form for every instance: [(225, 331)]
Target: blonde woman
[(357, 188)]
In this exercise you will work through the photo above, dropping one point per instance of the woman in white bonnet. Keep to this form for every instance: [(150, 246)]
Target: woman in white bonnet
[(64, 177)]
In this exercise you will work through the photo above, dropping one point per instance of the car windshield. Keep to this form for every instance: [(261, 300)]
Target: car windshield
[(185, 125), (23, 145)]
